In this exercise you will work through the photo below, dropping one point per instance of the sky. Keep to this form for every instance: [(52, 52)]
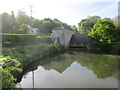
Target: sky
[(68, 11)]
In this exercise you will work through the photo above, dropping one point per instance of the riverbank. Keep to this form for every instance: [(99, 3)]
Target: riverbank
[(25, 55), (115, 50), (59, 70)]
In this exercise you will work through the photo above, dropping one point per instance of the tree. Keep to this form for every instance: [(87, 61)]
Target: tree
[(13, 19), (37, 23), (75, 28), (47, 26), (103, 66), (57, 21), (22, 18), (104, 31), (47, 19), (85, 25), (23, 28), (6, 23)]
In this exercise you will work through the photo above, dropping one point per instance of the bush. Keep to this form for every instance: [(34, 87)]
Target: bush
[(18, 38), (54, 48), (7, 77), (25, 54), (24, 39)]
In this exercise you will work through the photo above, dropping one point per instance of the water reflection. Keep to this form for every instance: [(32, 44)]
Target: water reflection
[(83, 70)]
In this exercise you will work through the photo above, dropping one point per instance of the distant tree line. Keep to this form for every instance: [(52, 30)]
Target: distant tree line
[(105, 30), (85, 25), (19, 23)]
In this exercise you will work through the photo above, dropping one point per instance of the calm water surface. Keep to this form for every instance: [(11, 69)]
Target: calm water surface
[(72, 70)]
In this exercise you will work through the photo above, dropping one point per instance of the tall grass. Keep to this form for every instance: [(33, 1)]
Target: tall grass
[(25, 55)]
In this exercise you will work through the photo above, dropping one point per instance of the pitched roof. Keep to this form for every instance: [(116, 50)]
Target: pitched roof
[(59, 27), (79, 39)]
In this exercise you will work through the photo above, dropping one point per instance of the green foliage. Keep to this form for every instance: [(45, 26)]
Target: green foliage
[(85, 25), (12, 24), (104, 31), (23, 28), (7, 77), (104, 66), (117, 29), (7, 22), (25, 54), (15, 34), (22, 18), (25, 39), (56, 21), (18, 24), (18, 38), (37, 23), (46, 25), (52, 49), (75, 28)]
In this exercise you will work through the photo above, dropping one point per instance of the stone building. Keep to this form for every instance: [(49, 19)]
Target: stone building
[(62, 34)]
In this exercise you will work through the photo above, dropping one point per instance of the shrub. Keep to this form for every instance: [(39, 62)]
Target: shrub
[(24, 39), (7, 77)]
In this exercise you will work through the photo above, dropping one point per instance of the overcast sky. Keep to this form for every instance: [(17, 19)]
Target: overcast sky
[(69, 11)]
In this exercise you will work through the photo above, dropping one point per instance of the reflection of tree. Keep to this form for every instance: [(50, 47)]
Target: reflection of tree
[(80, 56), (102, 65)]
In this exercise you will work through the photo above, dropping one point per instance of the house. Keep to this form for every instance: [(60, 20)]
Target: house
[(62, 34), (33, 30)]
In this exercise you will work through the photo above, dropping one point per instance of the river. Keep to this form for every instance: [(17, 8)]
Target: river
[(72, 70)]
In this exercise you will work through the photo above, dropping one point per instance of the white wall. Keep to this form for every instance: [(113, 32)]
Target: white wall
[(57, 34), (34, 31), (63, 35), (68, 35)]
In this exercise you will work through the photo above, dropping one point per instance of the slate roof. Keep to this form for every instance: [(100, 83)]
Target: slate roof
[(79, 39)]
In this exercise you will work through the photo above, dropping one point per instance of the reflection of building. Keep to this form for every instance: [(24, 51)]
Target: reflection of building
[(33, 30), (60, 64), (62, 34)]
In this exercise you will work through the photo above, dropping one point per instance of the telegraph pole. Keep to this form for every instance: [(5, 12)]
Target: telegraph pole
[(31, 30), (31, 14)]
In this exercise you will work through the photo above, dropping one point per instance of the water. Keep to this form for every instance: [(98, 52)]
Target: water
[(72, 70)]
